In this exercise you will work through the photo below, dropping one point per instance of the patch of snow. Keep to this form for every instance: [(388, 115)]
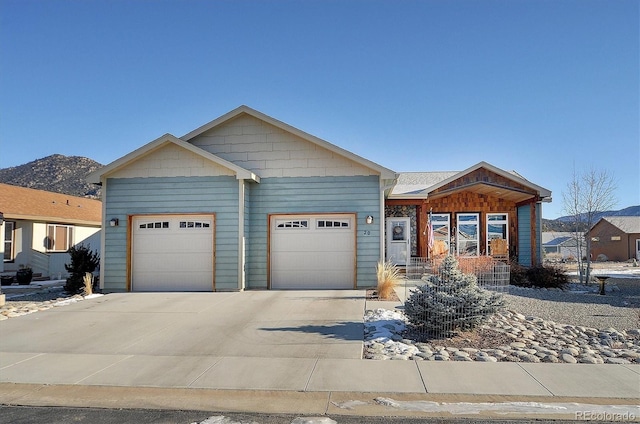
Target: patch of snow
[(350, 404), (313, 420), (221, 419), (578, 410)]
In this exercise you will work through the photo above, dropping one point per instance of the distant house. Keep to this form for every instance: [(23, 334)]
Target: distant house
[(38, 227), (560, 245), (616, 238), (247, 201)]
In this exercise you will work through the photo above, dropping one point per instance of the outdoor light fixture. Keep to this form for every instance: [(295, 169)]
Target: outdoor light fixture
[(113, 222), (369, 219)]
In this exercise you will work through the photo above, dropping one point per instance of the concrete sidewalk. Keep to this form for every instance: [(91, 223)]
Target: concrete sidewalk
[(171, 355)]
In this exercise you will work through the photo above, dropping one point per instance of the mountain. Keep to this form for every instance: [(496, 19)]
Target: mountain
[(56, 173), (564, 223)]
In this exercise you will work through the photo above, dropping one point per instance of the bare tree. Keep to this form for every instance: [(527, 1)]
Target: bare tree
[(587, 194)]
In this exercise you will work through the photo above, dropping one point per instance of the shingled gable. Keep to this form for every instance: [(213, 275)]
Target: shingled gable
[(168, 139), (385, 173), (442, 179)]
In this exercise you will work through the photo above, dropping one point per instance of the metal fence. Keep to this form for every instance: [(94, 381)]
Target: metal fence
[(445, 312)]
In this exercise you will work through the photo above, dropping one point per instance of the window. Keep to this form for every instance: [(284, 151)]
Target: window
[(9, 237), (59, 237), (327, 223), (468, 238), (441, 224), (194, 224), (497, 228), (160, 224), (299, 223)]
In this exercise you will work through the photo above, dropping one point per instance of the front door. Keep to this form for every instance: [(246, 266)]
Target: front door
[(398, 240), (638, 249)]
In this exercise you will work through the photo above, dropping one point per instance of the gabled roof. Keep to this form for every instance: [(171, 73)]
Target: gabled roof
[(39, 205), (96, 176), (417, 182), (558, 241), (421, 185), (626, 224), (385, 173)]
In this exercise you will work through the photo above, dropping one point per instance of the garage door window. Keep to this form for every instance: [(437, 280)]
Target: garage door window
[(194, 224), (325, 223), (300, 223), (153, 225)]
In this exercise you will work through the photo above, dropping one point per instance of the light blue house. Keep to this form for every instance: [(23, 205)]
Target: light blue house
[(245, 201)]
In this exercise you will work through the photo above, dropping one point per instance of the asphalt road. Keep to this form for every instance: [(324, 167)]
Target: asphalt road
[(58, 415)]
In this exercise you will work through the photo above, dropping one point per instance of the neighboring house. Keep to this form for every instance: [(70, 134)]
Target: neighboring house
[(38, 227), (615, 238), (561, 245), (249, 202)]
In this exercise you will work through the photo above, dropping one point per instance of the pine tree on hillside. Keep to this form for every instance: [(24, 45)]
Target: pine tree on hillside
[(449, 302)]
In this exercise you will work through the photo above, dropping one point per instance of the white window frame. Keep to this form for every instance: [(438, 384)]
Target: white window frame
[(9, 229), (52, 244), (460, 221), (438, 222), (504, 222)]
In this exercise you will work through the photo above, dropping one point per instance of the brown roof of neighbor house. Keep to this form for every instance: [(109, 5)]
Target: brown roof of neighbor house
[(627, 224), (39, 205)]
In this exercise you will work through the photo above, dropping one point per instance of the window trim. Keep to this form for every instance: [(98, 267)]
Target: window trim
[(12, 249), (51, 242), (441, 223), (506, 226), (477, 238)]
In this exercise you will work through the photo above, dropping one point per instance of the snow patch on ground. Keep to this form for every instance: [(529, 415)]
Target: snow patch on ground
[(578, 410)]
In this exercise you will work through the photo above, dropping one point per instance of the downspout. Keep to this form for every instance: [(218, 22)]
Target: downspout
[(241, 239)]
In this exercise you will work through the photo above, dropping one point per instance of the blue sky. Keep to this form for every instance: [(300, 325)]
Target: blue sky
[(539, 87)]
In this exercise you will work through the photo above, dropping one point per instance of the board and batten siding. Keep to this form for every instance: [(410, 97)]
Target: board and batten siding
[(356, 194), (524, 234), (172, 195)]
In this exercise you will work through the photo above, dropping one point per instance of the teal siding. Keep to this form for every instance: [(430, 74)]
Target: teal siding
[(133, 196), (524, 235), (360, 195), (539, 232)]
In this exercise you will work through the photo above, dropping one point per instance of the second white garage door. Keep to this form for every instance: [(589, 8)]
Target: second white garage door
[(172, 253), (313, 251)]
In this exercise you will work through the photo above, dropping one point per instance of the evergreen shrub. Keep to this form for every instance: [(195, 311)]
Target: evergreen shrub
[(83, 260), (450, 301)]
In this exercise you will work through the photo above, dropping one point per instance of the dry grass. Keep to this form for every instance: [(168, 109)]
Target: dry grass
[(467, 265), (389, 276), (88, 284)]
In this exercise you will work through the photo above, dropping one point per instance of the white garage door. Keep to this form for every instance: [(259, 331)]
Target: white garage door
[(313, 251), (172, 253)]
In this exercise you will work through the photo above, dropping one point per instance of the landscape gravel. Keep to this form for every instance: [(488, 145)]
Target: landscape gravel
[(575, 325)]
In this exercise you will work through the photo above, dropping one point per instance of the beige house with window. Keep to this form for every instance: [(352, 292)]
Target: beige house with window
[(38, 227)]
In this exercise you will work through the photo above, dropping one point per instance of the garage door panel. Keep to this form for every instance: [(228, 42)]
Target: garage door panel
[(172, 253), (313, 252)]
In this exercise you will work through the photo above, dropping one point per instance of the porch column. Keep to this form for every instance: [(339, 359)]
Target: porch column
[(534, 233)]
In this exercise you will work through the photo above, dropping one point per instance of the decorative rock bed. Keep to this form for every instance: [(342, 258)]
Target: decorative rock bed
[(513, 336)]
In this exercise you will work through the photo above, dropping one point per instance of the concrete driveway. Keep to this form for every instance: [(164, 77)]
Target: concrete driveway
[(273, 324), (184, 339)]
